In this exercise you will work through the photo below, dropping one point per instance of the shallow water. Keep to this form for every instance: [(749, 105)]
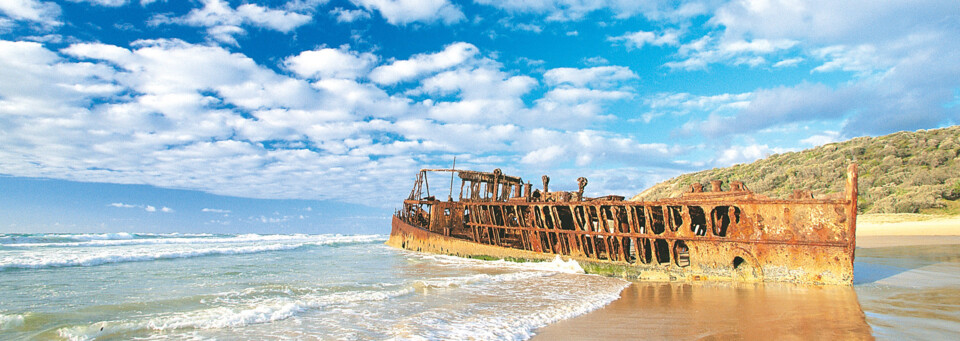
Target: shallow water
[(910, 291), (145, 286), (126, 286), (903, 292)]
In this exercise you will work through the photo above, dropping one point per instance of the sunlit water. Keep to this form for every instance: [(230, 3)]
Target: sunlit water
[(899, 293), (145, 286)]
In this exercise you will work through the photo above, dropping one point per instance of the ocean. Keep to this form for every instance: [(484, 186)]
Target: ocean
[(250, 286)]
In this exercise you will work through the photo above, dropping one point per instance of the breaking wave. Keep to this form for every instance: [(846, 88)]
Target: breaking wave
[(98, 252)]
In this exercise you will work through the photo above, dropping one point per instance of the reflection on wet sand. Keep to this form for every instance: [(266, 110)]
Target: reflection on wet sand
[(900, 292), (721, 310), (910, 292)]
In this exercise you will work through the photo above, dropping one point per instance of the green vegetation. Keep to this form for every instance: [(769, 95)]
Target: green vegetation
[(509, 259), (905, 172)]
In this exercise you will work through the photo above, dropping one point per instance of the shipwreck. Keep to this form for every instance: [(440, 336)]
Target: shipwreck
[(720, 234)]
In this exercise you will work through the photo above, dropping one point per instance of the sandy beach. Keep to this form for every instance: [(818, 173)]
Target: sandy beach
[(906, 285)]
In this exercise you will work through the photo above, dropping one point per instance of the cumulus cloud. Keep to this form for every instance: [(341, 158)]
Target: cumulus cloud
[(148, 208), (710, 49), (745, 154), (108, 3), (899, 59), (349, 15), (159, 109), (41, 12), (402, 12), (331, 63), (602, 76), (770, 107), (421, 64), (215, 210), (828, 136), (224, 23), (681, 104), (568, 10), (638, 39)]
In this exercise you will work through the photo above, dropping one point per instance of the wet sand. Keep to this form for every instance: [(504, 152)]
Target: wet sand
[(906, 286)]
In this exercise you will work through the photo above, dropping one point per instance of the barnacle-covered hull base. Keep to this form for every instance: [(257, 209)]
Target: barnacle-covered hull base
[(717, 235)]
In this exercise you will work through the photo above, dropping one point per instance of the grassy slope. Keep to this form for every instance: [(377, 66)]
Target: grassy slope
[(905, 172)]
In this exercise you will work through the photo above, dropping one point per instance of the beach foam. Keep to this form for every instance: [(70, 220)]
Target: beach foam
[(98, 252), (10, 321), (166, 239)]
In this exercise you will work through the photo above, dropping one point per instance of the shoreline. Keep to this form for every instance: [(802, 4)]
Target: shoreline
[(692, 315)]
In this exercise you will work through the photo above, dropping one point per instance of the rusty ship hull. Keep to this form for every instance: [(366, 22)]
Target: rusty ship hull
[(717, 235)]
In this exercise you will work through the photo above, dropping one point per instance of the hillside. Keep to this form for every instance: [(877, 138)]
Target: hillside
[(905, 172)]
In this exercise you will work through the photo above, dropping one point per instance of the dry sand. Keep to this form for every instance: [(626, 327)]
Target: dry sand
[(884, 230), (906, 285)]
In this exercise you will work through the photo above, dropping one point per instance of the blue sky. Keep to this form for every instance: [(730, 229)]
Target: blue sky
[(314, 115)]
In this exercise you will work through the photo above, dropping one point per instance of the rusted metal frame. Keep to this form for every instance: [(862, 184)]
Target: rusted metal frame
[(556, 226), (475, 218), (668, 219), (591, 229), (542, 225), (615, 211), (635, 227), (578, 225), (558, 247), (569, 241), (773, 201), (601, 228), (532, 223), (851, 208), (698, 238), (605, 226), (579, 215), (524, 238), (648, 211), (498, 219), (491, 236), (495, 233)]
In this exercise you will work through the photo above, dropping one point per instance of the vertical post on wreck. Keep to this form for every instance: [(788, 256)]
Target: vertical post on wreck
[(852, 193)]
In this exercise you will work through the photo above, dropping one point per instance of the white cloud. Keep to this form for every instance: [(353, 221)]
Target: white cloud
[(107, 3), (745, 154), (41, 12), (421, 64), (545, 155), (152, 112), (402, 12), (349, 15), (215, 210), (769, 107), (148, 208), (600, 76), (822, 139), (223, 22), (862, 59), (788, 62), (567, 10), (709, 49), (331, 63), (681, 104), (638, 39)]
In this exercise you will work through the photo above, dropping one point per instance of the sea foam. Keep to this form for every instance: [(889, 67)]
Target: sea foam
[(159, 249)]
